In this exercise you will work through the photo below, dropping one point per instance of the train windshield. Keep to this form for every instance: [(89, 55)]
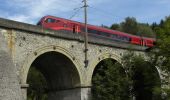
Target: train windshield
[(49, 20)]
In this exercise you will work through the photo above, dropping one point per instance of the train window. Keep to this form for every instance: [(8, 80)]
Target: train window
[(49, 20), (114, 36), (119, 37), (105, 34), (98, 32), (89, 30), (93, 31), (125, 38), (102, 33)]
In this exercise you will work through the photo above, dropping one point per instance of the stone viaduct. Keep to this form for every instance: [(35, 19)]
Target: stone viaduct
[(59, 55)]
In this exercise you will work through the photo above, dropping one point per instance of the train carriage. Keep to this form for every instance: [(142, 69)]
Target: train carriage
[(57, 23)]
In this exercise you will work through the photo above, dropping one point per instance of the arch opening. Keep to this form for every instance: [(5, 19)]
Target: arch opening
[(109, 81), (146, 82), (58, 76)]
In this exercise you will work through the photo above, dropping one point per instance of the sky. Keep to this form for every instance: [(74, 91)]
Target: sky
[(100, 12)]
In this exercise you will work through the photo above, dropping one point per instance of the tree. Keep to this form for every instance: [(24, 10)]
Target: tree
[(154, 25), (110, 82), (130, 25), (37, 85), (145, 30), (141, 80), (115, 27), (144, 76), (163, 44), (161, 23), (160, 55), (104, 26)]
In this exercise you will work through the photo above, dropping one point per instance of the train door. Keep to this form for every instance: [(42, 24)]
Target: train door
[(76, 28), (143, 42)]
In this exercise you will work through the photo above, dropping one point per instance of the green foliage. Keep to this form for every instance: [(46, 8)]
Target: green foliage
[(162, 53), (104, 26), (166, 94), (161, 23), (154, 25), (115, 27), (144, 76), (163, 44), (141, 80), (145, 30), (110, 82), (130, 25), (166, 26), (37, 85)]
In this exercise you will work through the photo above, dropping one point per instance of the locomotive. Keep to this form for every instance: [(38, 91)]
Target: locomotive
[(57, 23)]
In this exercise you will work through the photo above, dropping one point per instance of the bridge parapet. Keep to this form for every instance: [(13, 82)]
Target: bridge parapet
[(66, 35)]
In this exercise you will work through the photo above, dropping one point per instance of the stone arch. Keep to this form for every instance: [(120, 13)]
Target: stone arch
[(147, 82), (159, 72), (43, 51), (29, 60), (98, 60), (111, 62)]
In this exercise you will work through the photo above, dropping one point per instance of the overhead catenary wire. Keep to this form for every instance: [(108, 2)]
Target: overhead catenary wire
[(102, 12), (75, 13), (105, 13), (77, 9)]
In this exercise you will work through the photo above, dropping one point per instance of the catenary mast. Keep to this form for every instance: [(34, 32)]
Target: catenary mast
[(86, 33)]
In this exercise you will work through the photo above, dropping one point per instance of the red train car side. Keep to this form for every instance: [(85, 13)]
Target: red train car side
[(57, 23)]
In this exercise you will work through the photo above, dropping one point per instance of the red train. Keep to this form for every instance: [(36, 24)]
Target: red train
[(57, 23)]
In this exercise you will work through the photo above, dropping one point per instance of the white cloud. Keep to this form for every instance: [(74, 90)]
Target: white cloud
[(30, 11), (33, 9), (21, 18)]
